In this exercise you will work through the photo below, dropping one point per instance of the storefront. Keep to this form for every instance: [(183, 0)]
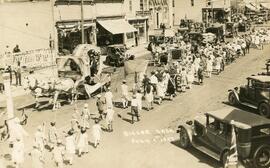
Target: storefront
[(141, 24), (70, 35), (116, 31), (214, 15)]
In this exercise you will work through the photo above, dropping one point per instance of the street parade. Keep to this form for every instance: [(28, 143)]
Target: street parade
[(134, 83)]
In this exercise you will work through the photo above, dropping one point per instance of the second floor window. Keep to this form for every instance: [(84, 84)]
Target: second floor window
[(141, 5), (130, 5)]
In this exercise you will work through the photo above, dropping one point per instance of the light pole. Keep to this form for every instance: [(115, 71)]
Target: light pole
[(9, 101), (82, 21)]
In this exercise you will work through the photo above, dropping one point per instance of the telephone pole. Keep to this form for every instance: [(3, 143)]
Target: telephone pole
[(82, 22)]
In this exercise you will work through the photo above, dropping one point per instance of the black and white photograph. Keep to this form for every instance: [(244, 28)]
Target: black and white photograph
[(134, 83)]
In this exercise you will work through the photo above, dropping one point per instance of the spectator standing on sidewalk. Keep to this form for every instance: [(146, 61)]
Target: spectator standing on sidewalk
[(16, 49), (18, 75), (9, 70)]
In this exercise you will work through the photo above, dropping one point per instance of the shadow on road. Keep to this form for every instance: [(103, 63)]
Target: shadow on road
[(203, 158)]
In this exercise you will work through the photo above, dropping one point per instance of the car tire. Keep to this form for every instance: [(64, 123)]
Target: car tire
[(261, 157), (232, 99), (184, 138), (264, 110)]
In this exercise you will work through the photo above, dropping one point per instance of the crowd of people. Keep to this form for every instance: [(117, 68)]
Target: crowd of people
[(169, 77)]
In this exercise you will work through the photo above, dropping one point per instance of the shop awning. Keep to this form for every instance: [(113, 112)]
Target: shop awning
[(118, 26), (251, 7), (265, 5)]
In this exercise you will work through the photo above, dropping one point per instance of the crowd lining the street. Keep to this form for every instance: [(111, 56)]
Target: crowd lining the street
[(171, 76)]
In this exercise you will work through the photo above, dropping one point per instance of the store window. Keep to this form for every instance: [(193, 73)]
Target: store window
[(130, 35)]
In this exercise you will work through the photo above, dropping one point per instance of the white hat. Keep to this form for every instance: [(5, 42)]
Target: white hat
[(98, 96), (85, 105)]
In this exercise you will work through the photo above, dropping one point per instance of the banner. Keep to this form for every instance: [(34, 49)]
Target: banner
[(30, 59)]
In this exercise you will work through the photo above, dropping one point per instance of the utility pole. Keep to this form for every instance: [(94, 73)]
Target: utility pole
[(82, 22)]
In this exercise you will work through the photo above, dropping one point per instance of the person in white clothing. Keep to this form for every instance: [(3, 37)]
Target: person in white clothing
[(58, 153), (37, 158), (70, 147), (18, 153), (109, 119), (85, 116), (83, 142), (52, 136), (139, 99), (96, 130), (108, 98), (124, 91), (40, 138)]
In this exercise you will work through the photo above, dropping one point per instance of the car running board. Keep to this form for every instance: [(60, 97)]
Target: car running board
[(249, 105), (207, 151)]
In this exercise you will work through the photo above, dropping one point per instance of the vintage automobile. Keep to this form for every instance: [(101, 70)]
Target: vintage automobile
[(255, 94), (218, 31), (116, 55), (212, 134)]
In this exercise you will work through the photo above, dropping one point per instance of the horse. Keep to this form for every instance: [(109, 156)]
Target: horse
[(51, 88)]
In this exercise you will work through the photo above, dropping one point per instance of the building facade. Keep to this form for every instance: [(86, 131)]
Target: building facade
[(103, 23), (201, 10)]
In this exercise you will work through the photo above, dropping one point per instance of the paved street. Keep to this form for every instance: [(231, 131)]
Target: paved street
[(148, 143)]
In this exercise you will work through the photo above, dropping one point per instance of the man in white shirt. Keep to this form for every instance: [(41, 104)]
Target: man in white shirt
[(134, 109), (109, 119), (108, 98), (124, 91), (154, 81)]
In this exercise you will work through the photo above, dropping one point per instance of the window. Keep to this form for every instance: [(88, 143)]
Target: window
[(130, 5), (192, 2), (141, 5), (130, 35)]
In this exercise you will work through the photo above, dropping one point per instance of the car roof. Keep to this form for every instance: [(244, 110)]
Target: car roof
[(261, 78), (239, 116)]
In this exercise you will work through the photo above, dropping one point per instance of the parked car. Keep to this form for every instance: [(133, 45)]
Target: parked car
[(211, 134), (116, 55), (255, 94)]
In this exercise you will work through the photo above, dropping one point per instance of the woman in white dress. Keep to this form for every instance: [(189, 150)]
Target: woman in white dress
[(209, 67), (96, 130), (149, 97), (18, 153), (83, 142), (70, 147)]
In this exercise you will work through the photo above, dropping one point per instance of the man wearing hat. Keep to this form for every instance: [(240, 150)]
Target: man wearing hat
[(109, 118), (100, 106), (124, 90), (96, 130), (134, 109)]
